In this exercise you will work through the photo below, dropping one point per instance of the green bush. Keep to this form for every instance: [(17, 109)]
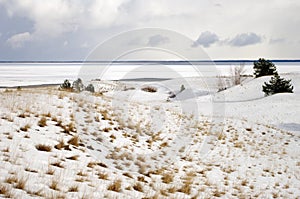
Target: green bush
[(90, 88), (277, 85), (66, 85), (78, 85), (264, 67)]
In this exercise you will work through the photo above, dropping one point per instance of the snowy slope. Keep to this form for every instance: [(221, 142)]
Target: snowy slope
[(128, 143)]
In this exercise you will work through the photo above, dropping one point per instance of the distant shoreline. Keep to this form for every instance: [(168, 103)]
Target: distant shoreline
[(167, 62), (29, 86)]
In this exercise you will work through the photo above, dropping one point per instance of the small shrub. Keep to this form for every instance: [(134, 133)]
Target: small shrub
[(78, 85), (43, 147), (115, 186), (66, 85), (149, 89), (264, 67), (277, 85), (90, 88)]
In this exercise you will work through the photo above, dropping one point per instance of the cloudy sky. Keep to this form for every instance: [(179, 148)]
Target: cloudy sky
[(70, 30)]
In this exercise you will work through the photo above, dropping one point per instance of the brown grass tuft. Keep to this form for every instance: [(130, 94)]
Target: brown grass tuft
[(115, 186), (43, 147), (81, 173), (42, 122), (3, 189), (21, 183), (50, 171), (73, 188), (103, 176), (60, 145), (74, 157), (74, 141), (11, 180), (149, 89), (25, 128), (167, 178), (57, 164), (54, 185), (138, 187)]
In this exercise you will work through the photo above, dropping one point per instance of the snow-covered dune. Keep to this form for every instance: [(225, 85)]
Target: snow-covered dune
[(131, 140)]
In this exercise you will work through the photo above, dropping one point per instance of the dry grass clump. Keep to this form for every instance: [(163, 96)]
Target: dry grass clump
[(92, 164), (238, 144), (21, 182), (25, 128), (103, 176), (30, 170), (23, 115), (11, 180), (149, 89), (138, 187), (188, 181), (3, 189), (127, 175), (167, 178), (50, 171), (217, 193), (43, 147), (60, 145), (74, 141), (42, 122), (81, 173), (74, 157), (6, 150), (73, 188), (6, 191), (57, 164), (115, 186), (54, 185), (66, 128)]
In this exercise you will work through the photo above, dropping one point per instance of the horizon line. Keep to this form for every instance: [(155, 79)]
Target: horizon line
[(149, 61)]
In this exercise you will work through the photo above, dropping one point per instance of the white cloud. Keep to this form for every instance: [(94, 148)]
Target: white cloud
[(56, 17), (93, 21), (206, 39), (18, 40), (245, 39), (157, 40), (66, 43), (277, 40)]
